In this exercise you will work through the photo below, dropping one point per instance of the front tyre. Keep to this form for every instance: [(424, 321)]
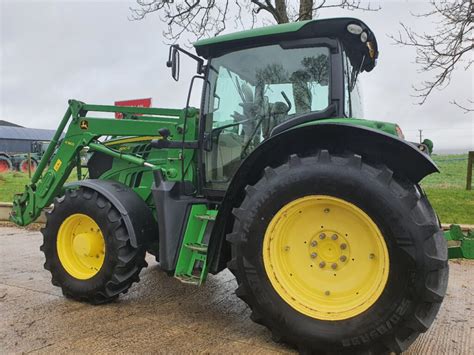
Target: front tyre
[(87, 248), (335, 255)]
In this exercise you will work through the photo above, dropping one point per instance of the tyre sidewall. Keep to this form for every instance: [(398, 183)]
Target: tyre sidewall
[(86, 202), (358, 185)]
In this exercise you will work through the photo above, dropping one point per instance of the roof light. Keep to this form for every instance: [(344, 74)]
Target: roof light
[(354, 29), (363, 37)]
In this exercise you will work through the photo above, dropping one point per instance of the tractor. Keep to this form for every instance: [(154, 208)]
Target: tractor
[(20, 161), (317, 212)]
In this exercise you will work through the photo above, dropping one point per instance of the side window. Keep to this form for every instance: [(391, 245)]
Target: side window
[(356, 101), (347, 94), (352, 92), (227, 97)]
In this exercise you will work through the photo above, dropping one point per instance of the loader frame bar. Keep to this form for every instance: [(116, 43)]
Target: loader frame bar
[(62, 154)]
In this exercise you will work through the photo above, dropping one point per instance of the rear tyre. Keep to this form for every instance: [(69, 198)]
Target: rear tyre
[(335, 255), (23, 167), (5, 164), (87, 248)]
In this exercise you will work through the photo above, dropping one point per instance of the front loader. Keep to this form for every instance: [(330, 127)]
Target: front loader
[(318, 213)]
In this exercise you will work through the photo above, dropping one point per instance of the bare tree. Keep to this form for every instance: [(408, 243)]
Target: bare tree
[(208, 18), (444, 50)]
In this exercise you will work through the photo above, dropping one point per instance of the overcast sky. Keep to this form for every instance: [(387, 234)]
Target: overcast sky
[(54, 50)]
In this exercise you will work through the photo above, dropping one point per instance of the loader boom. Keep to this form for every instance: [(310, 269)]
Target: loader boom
[(62, 155)]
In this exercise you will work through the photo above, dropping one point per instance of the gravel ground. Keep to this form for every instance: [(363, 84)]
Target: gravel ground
[(162, 315)]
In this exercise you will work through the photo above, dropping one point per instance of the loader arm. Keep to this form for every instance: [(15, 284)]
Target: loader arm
[(62, 155)]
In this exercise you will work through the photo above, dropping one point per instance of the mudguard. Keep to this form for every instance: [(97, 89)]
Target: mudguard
[(136, 214), (377, 147)]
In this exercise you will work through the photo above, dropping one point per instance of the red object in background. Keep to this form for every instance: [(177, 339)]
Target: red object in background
[(133, 103)]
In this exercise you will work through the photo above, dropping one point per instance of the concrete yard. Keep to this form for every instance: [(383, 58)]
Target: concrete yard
[(162, 315)]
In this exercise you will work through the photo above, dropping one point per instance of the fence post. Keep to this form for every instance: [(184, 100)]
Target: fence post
[(470, 159), (29, 165)]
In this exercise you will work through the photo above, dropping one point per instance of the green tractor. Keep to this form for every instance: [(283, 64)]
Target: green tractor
[(319, 215), (20, 161)]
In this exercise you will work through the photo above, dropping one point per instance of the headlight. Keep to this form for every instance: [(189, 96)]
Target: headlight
[(354, 29)]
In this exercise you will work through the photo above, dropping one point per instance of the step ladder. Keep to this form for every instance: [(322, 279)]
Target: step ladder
[(191, 267)]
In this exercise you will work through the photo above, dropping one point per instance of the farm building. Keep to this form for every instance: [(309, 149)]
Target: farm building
[(17, 139)]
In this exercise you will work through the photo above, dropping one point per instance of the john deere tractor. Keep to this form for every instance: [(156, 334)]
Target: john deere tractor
[(318, 214)]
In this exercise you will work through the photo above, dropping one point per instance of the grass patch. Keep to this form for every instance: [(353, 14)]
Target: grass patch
[(452, 205), (11, 183), (446, 191), (14, 182)]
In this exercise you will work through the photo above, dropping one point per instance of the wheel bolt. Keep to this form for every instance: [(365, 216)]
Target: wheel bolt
[(371, 255), (287, 248), (343, 246), (327, 293), (334, 237), (313, 255), (314, 243), (322, 264), (343, 258), (334, 266), (322, 236)]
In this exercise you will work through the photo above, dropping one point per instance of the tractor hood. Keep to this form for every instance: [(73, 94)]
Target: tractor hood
[(356, 37)]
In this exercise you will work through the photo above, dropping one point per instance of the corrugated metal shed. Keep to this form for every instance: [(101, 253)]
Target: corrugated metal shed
[(31, 134), (19, 139)]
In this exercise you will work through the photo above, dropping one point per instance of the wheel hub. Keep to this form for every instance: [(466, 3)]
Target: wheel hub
[(87, 244), (329, 248), (325, 257), (81, 246)]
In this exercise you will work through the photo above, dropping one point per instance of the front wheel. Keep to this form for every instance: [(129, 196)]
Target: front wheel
[(88, 248), (336, 255)]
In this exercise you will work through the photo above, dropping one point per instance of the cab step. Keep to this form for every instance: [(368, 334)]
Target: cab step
[(191, 267), (201, 248), (188, 279), (206, 217)]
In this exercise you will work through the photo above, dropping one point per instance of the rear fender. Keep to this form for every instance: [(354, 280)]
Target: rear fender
[(377, 147)]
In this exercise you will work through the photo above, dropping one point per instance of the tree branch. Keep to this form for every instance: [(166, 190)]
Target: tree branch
[(208, 18), (441, 52)]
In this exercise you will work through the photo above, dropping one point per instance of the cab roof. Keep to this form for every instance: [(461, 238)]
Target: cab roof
[(356, 49)]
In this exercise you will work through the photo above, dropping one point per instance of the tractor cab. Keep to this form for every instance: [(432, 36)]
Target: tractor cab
[(263, 81)]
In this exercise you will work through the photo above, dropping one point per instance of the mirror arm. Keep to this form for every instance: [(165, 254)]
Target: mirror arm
[(199, 60)]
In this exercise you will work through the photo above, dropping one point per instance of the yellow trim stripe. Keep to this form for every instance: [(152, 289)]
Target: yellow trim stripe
[(132, 140)]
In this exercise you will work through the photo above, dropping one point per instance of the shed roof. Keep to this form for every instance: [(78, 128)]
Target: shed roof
[(11, 124), (34, 134)]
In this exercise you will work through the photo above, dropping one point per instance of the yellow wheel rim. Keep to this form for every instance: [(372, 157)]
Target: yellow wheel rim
[(81, 246), (325, 257)]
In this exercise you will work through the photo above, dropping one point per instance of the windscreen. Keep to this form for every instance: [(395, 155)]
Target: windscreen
[(253, 90)]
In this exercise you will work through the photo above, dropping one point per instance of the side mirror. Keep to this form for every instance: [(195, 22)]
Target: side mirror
[(173, 62)]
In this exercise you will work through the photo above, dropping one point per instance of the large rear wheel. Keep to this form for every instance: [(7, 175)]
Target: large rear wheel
[(336, 255), (23, 166), (5, 164), (88, 249)]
